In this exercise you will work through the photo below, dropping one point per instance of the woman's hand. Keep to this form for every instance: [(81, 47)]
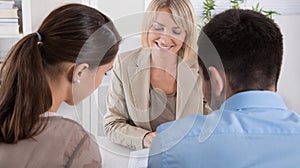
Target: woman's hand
[(148, 139)]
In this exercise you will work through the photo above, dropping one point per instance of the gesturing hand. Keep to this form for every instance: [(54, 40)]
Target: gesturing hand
[(148, 139)]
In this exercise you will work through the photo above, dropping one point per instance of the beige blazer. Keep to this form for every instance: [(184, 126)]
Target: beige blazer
[(128, 101)]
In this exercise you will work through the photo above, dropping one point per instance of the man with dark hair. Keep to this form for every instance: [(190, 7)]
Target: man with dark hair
[(240, 56)]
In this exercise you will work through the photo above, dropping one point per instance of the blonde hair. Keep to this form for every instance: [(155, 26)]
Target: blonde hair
[(183, 15)]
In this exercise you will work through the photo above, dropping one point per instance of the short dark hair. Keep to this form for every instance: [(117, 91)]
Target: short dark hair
[(249, 46)]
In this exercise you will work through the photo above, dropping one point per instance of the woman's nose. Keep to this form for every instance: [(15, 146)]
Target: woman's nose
[(165, 38)]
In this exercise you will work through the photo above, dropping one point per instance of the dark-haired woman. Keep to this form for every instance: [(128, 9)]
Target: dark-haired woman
[(64, 61)]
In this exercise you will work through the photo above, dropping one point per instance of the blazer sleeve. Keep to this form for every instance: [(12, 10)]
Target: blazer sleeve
[(116, 119)]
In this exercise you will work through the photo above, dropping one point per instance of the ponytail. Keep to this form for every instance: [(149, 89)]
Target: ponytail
[(25, 93)]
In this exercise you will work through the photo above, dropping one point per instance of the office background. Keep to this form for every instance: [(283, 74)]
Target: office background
[(127, 16)]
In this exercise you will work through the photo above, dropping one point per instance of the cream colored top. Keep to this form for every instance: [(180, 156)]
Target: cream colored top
[(63, 143)]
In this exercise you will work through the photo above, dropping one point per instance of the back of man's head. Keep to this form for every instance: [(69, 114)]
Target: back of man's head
[(249, 46)]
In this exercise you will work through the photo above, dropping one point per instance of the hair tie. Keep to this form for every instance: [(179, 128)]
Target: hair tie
[(38, 35)]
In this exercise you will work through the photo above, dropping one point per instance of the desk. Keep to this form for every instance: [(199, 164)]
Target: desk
[(114, 155)]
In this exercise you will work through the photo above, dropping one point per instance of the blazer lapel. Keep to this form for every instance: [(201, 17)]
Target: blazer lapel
[(187, 76), (139, 83)]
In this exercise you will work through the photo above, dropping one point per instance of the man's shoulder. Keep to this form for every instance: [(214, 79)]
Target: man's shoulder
[(174, 131), (171, 134), (190, 121)]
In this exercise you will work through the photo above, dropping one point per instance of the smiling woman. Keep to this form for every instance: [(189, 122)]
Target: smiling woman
[(158, 82)]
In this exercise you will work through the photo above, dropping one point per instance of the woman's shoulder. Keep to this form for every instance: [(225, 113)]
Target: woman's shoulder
[(65, 126), (130, 52), (79, 146), (70, 130), (191, 62), (133, 54)]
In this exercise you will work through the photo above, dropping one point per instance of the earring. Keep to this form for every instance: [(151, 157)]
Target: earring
[(76, 81)]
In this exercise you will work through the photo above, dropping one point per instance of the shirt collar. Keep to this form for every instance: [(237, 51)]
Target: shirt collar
[(254, 99)]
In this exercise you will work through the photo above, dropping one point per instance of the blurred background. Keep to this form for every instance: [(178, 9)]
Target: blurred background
[(127, 16)]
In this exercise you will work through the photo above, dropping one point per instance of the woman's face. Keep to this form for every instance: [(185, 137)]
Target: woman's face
[(165, 34), (102, 70), (91, 79)]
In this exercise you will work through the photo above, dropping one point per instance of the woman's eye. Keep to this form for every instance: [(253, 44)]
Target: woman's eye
[(157, 28), (177, 31)]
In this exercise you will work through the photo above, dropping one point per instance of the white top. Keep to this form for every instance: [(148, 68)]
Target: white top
[(51, 114)]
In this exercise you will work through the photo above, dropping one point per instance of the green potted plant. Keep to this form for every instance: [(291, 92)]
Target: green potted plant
[(209, 8)]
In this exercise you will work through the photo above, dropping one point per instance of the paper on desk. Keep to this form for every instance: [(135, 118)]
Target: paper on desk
[(138, 159)]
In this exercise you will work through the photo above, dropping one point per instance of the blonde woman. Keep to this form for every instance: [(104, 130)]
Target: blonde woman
[(157, 83)]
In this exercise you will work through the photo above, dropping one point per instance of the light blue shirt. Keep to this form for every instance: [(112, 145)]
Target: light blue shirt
[(252, 129)]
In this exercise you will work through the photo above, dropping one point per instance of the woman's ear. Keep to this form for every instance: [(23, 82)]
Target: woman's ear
[(217, 83), (76, 72)]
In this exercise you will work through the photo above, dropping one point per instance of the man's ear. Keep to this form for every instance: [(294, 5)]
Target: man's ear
[(217, 83), (76, 72)]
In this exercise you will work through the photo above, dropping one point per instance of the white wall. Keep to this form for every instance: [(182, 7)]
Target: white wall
[(120, 8), (41, 8), (289, 81), (127, 15)]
